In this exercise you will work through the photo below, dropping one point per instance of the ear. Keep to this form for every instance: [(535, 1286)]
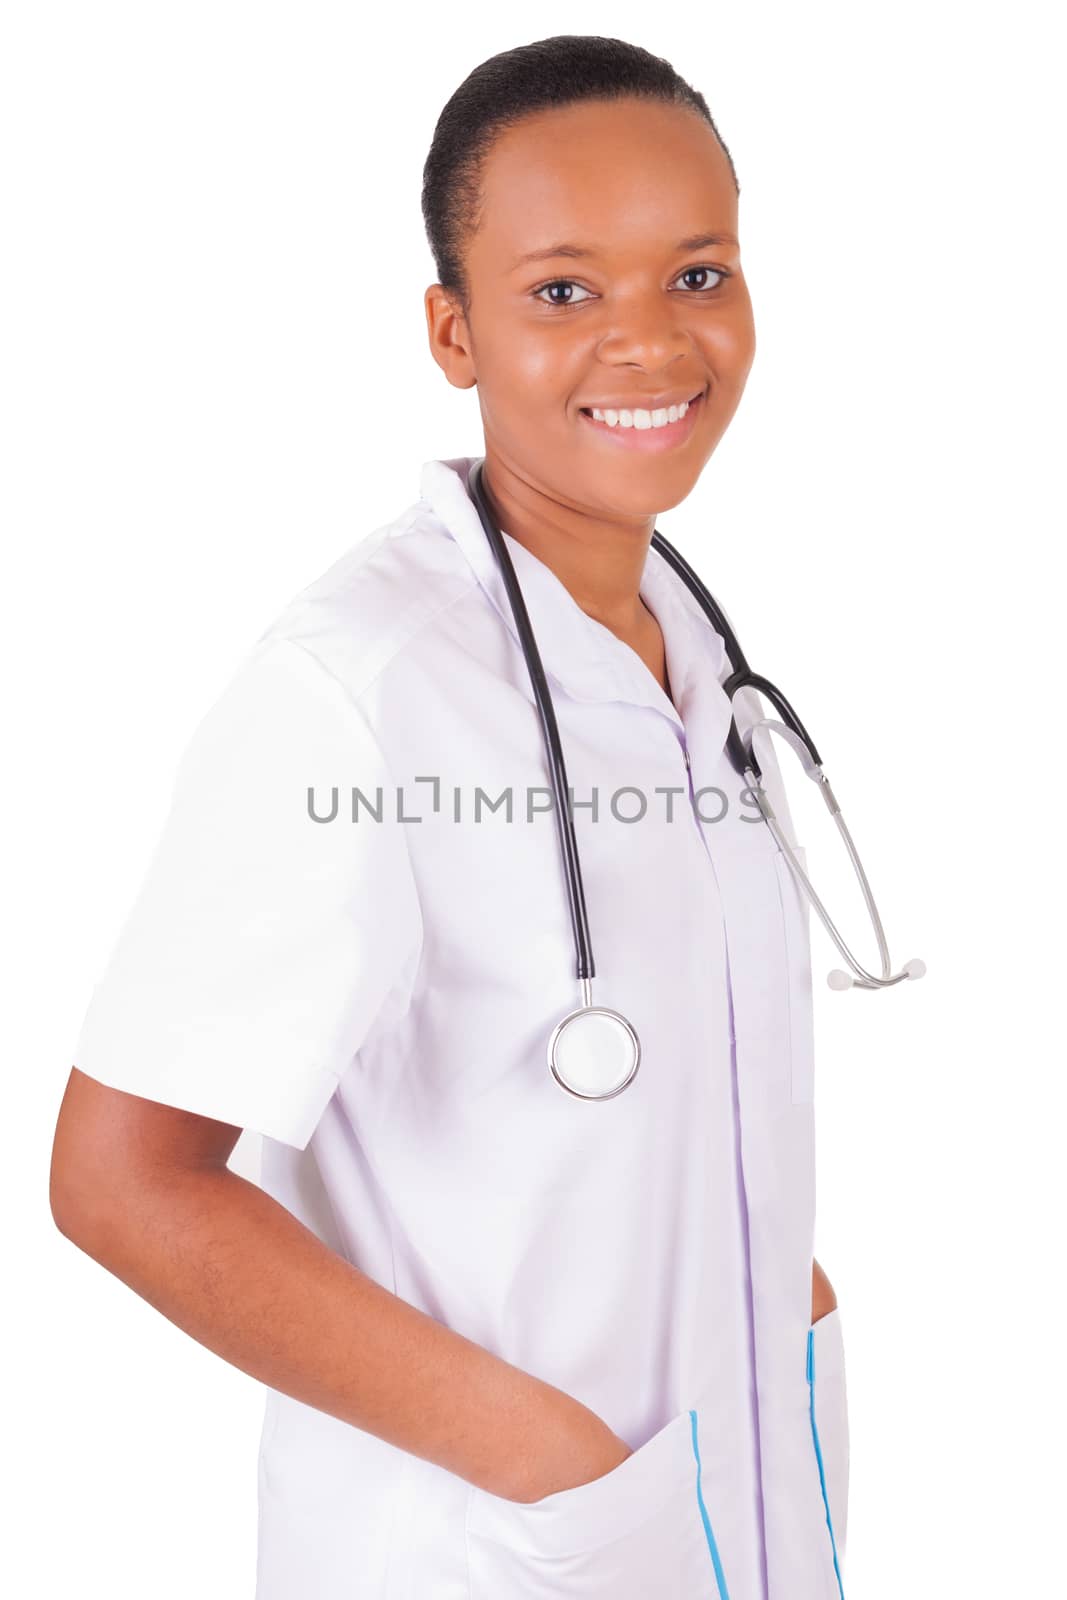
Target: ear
[(449, 335)]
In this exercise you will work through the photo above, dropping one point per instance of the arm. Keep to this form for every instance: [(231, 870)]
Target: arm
[(823, 1298), (144, 1189)]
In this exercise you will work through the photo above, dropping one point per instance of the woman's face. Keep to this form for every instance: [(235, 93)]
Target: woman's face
[(605, 271)]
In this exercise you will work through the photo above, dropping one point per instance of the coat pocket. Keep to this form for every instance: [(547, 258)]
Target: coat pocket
[(828, 1405), (795, 915), (642, 1529)]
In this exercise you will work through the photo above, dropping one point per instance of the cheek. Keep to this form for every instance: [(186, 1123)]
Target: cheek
[(532, 357), (530, 399), (739, 336), (531, 373), (546, 369), (728, 353)]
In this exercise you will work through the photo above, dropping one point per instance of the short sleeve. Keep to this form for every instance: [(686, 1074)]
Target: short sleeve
[(272, 925)]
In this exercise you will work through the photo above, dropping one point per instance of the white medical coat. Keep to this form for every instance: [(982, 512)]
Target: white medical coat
[(376, 998)]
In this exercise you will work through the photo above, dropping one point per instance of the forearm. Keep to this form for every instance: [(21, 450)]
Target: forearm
[(229, 1265)]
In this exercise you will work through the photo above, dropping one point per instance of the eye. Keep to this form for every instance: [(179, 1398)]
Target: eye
[(568, 283), (705, 288), (558, 283)]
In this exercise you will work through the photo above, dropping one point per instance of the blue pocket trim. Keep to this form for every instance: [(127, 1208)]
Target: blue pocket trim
[(818, 1456), (720, 1576)]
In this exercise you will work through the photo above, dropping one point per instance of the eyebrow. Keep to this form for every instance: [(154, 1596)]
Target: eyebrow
[(695, 241)]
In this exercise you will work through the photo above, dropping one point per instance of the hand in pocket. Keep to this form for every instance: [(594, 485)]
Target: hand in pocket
[(589, 1452), (640, 1529)]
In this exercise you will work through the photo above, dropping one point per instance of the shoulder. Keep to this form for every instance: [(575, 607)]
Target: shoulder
[(300, 689), (376, 602)]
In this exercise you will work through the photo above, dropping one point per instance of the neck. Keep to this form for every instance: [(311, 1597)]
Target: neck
[(599, 559)]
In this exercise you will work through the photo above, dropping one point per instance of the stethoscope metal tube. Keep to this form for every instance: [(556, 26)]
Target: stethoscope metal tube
[(594, 1052)]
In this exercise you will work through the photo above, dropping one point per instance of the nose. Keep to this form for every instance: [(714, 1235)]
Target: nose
[(646, 334)]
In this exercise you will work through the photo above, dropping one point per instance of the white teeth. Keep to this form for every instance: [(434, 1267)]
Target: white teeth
[(642, 419)]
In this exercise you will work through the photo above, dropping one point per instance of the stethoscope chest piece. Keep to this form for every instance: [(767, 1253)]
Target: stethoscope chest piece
[(593, 1053)]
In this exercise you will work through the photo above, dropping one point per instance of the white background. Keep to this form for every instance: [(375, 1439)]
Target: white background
[(215, 378)]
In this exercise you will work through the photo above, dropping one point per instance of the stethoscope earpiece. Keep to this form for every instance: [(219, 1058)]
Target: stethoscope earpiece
[(844, 980)]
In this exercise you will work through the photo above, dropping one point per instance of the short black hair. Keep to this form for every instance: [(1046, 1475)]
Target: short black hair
[(560, 71)]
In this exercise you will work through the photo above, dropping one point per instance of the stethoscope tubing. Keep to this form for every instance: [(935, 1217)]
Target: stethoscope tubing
[(741, 754), (586, 968)]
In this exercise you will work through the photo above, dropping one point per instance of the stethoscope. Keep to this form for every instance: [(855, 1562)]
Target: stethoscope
[(594, 1052)]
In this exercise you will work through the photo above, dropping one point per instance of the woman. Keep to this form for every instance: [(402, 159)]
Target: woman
[(518, 1343)]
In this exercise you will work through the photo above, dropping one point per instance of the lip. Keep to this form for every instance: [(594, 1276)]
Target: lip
[(648, 402), (651, 440)]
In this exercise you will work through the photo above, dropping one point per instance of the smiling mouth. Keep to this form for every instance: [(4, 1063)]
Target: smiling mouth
[(619, 412), (646, 435)]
